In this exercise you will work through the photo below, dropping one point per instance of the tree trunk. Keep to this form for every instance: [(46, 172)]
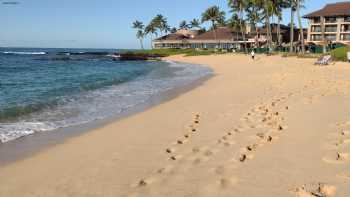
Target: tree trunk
[(323, 35), (268, 26), (214, 32), (300, 28), (243, 31), (151, 41), (291, 29), (141, 43), (279, 31)]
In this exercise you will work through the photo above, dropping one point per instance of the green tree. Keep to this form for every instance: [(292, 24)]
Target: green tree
[(214, 15), (235, 24), (253, 14), (151, 30), (195, 23), (298, 6), (292, 6), (239, 7), (140, 31), (183, 25)]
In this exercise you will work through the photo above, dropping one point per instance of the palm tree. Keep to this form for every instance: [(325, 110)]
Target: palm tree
[(195, 23), (152, 30), (173, 30), (300, 26), (160, 23), (140, 35), (140, 31), (235, 24), (253, 10), (183, 25), (214, 15), (292, 11), (239, 6), (278, 6)]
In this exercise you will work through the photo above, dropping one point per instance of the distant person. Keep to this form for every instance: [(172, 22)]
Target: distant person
[(252, 54)]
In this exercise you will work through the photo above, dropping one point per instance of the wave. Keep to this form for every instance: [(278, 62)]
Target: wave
[(97, 101), (24, 53)]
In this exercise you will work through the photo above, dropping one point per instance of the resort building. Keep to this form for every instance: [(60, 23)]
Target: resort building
[(224, 38), (330, 24)]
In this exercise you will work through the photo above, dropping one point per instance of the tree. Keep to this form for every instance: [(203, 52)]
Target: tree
[(235, 24), (140, 35), (253, 12), (278, 6), (183, 25), (173, 30), (292, 11), (239, 6), (195, 23), (214, 15), (140, 31), (151, 30), (160, 23), (300, 26)]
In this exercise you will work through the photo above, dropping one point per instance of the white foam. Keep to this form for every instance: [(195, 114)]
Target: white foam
[(103, 103), (24, 53)]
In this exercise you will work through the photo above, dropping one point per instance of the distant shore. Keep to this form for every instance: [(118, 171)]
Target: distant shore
[(270, 127)]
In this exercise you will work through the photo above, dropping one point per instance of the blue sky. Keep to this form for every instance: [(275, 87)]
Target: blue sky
[(96, 23)]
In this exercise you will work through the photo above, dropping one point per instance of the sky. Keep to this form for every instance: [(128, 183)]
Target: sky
[(98, 23)]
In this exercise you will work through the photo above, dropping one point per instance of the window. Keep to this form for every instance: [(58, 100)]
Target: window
[(316, 28), (331, 28), (345, 28), (331, 37), (316, 37), (330, 19), (346, 37), (347, 19), (317, 20)]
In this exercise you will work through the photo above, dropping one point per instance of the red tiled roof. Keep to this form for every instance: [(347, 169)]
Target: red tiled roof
[(174, 36), (222, 33), (334, 9)]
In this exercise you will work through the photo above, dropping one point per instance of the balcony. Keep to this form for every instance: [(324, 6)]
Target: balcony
[(331, 28), (316, 38), (345, 28), (316, 29), (347, 19), (330, 19), (345, 37), (331, 37)]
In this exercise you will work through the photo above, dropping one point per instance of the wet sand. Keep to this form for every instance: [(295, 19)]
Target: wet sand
[(270, 127)]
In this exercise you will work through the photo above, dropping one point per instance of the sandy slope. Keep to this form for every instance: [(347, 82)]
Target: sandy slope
[(271, 127)]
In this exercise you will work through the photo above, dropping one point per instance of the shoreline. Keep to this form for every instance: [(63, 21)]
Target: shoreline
[(29, 145), (271, 127)]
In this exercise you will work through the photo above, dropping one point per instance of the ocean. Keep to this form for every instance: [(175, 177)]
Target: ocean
[(43, 90)]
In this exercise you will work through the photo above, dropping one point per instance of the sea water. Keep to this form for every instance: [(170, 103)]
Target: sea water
[(46, 89)]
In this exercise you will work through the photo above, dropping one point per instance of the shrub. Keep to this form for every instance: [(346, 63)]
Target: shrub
[(340, 54)]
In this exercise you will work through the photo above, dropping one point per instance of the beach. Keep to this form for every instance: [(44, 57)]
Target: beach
[(270, 127)]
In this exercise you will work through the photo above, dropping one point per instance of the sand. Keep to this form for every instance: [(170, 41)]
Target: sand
[(271, 127)]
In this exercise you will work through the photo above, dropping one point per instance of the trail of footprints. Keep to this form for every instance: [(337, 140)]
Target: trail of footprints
[(315, 190), (340, 151), (265, 121)]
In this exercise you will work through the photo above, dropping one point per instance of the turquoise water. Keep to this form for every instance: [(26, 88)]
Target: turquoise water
[(42, 91)]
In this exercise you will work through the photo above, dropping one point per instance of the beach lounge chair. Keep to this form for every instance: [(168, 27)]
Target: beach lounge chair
[(324, 60)]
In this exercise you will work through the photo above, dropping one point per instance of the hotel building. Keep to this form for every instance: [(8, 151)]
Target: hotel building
[(330, 24)]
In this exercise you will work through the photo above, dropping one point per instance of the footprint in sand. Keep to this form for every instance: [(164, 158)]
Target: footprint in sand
[(342, 142), (227, 182), (175, 157), (316, 190), (337, 158), (344, 176)]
